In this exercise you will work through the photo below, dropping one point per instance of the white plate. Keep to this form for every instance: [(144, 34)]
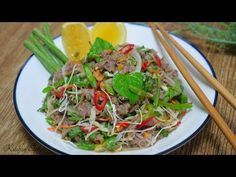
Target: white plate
[(32, 78)]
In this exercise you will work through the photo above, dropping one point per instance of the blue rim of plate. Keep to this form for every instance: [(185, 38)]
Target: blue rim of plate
[(163, 152)]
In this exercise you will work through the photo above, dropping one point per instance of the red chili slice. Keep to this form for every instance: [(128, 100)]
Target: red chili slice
[(85, 130), (99, 96), (158, 60), (126, 49), (145, 65), (144, 123), (60, 92)]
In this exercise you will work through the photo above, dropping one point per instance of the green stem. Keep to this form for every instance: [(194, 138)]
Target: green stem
[(89, 75), (40, 46), (47, 64), (47, 33), (57, 52), (157, 96)]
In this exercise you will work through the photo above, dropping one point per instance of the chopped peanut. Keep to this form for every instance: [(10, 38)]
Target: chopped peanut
[(98, 75), (120, 67)]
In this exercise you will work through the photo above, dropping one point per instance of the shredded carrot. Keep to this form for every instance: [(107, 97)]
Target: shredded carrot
[(102, 85), (65, 126), (52, 129), (146, 135), (98, 75), (68, 87), (108, 51), (75, 61)]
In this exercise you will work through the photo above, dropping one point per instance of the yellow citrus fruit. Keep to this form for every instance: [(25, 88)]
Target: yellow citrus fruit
[(75, 39), (113, 32)]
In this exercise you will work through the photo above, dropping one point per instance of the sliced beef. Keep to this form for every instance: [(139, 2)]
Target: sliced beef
[(64, 132), (142, 54), (84, 108), (68, 68), (57, 75), (135, 107), (57, 117), (67, 122), (107, 64), (115, 100), (109, 61), (173, 74), (128, 67), (87, 93), (123, 109), (165, 66), (98, 139)]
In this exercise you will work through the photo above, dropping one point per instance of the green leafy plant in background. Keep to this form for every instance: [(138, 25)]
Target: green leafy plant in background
[(223, 34)]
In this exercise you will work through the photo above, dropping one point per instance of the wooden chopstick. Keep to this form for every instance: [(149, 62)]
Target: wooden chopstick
[(197, 90), (215, 83)]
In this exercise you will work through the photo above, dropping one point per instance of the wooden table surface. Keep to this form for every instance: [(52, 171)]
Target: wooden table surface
[(15, 140)]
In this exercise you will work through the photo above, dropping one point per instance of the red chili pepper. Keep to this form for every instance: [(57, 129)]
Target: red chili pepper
[(126, 49), (158, 60), (144, 123), (59, 93), (85, 130), (98, 95), (122, 124), (145, 65), (98, 84), (178, 123), (183, 113)]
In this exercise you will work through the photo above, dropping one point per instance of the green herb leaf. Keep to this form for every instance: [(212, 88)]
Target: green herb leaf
[(72, 116), (173, 91), (75, 132), (56, 103), (99, 46), (157, 96), (49, 120), (164, 133), (148, 83), (44, 107), (47, 89), (121, 83), (137, 91), (59, 83), (86, 146), (89, 75), (176, 106), (143, 49), (183, 98), (78, 82), (110, 143)]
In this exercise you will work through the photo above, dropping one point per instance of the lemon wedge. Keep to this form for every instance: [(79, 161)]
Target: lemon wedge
[(113, 32), (75, 40)]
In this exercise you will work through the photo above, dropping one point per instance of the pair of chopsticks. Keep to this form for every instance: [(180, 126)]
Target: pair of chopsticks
[(195, 87)]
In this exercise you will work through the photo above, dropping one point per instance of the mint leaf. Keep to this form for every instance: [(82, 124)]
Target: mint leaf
[(122, 82), (99, 46)]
